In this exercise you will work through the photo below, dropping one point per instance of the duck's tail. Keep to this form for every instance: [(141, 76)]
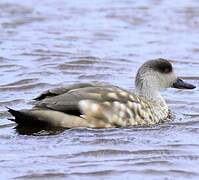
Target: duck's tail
[(25, 118), (46, 118)]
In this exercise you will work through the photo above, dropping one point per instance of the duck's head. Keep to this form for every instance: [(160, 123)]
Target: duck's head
[(155, 75)]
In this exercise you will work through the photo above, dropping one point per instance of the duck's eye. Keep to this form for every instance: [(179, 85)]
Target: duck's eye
[(167, 70)]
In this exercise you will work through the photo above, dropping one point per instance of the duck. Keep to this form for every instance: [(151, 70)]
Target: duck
[(102, 105)]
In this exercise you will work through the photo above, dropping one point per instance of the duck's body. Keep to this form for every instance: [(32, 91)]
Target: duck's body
[(100, 105)]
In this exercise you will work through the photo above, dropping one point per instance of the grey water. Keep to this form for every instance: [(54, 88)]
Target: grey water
[(46, 44)]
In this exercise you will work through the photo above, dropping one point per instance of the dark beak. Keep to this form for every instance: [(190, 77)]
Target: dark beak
[(180, 84)]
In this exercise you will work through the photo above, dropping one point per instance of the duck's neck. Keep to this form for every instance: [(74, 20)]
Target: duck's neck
[(148, 92), (151, 94), (155, 101)]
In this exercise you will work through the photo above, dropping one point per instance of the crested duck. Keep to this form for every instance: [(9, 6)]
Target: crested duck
[(101, 105)]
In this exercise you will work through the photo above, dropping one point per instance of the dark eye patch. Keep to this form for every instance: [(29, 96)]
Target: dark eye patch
[(167, 70), (161, 65)]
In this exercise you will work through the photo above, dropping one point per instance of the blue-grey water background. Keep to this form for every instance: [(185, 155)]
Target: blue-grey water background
[(48, 43)]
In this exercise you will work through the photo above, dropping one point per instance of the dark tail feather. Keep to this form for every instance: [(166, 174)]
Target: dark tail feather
[(24, 118)]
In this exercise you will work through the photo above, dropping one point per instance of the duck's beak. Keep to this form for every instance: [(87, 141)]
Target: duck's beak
[(180, 84)]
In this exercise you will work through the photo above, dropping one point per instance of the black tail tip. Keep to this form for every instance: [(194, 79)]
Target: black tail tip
[(11, 111)]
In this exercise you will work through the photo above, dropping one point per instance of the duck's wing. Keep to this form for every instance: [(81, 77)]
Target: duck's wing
[(68, 101), (64, 89)]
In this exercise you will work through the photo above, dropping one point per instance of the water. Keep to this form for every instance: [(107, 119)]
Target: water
[(49, 43)]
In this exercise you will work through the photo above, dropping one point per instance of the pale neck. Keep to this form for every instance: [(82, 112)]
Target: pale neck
[(148, 92), (155, 100)]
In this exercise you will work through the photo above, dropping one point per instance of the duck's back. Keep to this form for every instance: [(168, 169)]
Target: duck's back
[(66, 99)]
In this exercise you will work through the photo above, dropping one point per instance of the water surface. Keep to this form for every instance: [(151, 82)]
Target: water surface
[(52, 43)]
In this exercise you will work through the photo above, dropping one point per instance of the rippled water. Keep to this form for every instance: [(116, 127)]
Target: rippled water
[(50, 43)]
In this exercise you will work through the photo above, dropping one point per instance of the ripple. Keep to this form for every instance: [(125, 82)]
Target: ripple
[(41, 176), (47, 44), (22, 87), (21, 82)]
